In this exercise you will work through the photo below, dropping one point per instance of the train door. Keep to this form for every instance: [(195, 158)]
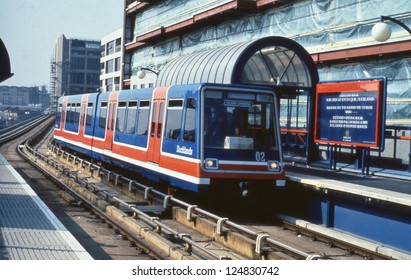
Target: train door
[(83, 110), (110, 121), (156, 127), (64, 113)]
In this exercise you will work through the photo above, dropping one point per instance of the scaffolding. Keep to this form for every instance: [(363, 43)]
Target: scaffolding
[(52, 86)]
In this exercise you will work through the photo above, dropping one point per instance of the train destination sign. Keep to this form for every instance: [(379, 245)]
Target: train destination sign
[(351, 113)]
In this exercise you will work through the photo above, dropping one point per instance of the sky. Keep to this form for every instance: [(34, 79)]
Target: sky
[(29, 29)]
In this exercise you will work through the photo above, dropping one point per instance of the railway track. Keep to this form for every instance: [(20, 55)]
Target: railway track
[(162, 226), (101, 241)]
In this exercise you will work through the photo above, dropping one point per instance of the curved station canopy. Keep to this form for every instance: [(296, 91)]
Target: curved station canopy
[(275, 61)]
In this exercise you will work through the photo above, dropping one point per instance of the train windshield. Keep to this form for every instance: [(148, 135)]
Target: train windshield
[(239, 120)]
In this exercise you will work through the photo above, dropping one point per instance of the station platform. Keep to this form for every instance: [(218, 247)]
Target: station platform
[(387, 185), (375, 209), (28, 229)]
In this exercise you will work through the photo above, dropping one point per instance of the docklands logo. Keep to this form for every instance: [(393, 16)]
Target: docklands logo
[(184, 150)]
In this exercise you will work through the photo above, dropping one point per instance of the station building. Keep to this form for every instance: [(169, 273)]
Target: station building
[(337, 35)]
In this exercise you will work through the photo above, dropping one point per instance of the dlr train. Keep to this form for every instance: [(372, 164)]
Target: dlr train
[(193, 137)]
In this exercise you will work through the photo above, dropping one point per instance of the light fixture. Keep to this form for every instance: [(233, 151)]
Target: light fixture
[(273, 165), (211, 163), (381, 31), (141, 73)]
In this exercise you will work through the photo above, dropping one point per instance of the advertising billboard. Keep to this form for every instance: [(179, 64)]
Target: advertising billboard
[(351, 113)]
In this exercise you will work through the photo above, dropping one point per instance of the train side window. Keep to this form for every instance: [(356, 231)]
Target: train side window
[(143, 118), (68, 113), (153, 119), (131, 117), (190, 121), (121, 116), (76, 117), (103, 115), (89, 114), (58, 115), (160, 120), (73, 114), (174, 119), (64, 114)]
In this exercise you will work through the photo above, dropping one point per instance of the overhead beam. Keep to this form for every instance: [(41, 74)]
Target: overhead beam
[(382, 50)]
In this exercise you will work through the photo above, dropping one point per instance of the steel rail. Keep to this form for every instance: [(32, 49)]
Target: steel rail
[(153, 221), (262, 240), (152, 251), (156, 222), (18, 130)]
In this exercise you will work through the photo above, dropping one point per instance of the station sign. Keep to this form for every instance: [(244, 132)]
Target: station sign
[(351, 113)]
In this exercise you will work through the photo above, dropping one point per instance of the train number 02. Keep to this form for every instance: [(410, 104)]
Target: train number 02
[(260, 156)]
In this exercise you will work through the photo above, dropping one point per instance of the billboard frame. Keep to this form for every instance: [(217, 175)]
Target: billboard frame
[(345, 111)]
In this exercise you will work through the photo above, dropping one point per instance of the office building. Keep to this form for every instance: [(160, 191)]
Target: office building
[(75, 67)]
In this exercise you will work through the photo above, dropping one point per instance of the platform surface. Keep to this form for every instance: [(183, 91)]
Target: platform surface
[(394, 190), (28, 229)]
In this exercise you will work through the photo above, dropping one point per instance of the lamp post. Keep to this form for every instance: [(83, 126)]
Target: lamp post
[(141, 73), (381, 31)]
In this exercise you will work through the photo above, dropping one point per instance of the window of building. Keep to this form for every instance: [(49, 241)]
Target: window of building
[(110, 48), (117, 83), (92, 45), (102, 51), (77, 43), (93, 79), (118, 44), (94, 53), (93, 63), (110, 66), (77, 78), (78, 52), (78, 63), (109, 84), (117, 64)]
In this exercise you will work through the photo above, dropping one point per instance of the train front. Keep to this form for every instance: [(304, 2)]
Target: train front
[(241, 138)]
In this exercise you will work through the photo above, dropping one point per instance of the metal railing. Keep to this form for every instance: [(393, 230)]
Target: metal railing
[(296, 140)]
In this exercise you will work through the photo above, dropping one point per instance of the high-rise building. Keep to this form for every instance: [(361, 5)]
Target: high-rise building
[(75, 67), (111, 54)]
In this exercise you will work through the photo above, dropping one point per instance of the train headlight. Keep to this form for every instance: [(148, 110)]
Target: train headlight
[(273, 166), (211, 163)]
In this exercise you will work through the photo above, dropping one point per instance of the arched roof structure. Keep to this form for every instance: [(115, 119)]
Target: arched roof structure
[(275, 61)]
